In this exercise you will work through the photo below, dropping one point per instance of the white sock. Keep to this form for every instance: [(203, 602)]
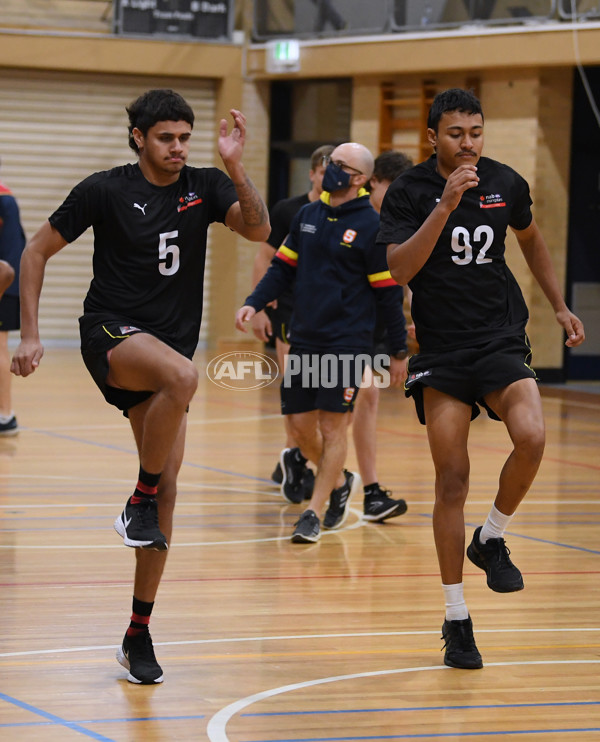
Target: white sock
[(6, 418), (495, 525), (456, 608)]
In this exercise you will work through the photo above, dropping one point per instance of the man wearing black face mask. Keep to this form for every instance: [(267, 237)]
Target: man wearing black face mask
[(340, 274)]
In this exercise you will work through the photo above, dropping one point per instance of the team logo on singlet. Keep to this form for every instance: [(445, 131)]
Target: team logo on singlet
[(186, 202), (349, 237), (493, 201)]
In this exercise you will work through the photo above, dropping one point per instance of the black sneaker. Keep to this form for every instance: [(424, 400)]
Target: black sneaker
[(493, 558), (136, 654), (461, 650), (308, 483), (292, 472), (308, 528), (339, 500), (138, 525), (379, 506), (277, 475), (10, 427)]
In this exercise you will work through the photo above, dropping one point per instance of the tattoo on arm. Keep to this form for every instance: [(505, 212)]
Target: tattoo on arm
[(254, 211)]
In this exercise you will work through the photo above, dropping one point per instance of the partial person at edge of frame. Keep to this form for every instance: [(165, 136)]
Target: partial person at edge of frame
[(12, 244)]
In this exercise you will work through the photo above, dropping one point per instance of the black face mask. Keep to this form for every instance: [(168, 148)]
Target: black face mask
[(335, 179)]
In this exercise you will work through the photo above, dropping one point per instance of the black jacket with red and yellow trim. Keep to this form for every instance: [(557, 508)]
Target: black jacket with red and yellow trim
[(341, 273)]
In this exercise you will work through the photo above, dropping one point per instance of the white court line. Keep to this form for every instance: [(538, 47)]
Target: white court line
[(84, 547), (181, 504), (216, 725), (294, 637)]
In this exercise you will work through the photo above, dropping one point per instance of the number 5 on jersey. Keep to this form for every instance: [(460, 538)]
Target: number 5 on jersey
[(168, 254)]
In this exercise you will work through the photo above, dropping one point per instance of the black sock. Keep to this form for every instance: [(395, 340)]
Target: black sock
[(147, 486), (140, 617)]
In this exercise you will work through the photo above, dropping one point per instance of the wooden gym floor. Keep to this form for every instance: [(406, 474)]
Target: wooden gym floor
[(262, 640)]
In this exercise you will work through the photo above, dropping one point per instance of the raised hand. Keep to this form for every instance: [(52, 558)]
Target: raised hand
[(231, 145)]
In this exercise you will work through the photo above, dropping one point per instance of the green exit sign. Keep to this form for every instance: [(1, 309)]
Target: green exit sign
[(283, 55)]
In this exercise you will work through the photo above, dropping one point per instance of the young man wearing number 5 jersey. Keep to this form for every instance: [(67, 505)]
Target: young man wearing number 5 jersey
[(444, 223), (142, 313)]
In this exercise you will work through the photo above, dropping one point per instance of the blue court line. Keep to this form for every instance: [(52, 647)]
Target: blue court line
[(466, 707), (123, 449), (195, 717), (262, 480), (537, 539), (445, 735), (57, 720), (548, 541)]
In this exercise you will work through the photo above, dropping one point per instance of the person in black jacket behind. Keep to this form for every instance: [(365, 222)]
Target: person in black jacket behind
[(340, 275)]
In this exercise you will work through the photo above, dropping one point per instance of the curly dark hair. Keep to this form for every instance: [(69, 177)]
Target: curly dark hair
[(153, 106)]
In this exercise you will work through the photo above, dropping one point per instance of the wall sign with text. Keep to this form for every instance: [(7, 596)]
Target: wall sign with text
[(192, 19)]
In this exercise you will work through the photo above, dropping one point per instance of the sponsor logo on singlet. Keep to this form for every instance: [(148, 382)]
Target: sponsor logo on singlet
[(186, 202), (492, 201)]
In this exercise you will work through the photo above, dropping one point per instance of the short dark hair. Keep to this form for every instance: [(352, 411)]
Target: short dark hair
[(317, 156), (455, 99), (156, 105), (390, 164)]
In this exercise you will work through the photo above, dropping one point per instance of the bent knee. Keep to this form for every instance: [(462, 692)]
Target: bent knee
[(531, 443), (184, 379)]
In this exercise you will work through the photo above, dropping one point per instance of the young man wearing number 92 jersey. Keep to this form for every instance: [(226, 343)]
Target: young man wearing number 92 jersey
[(444, 223)]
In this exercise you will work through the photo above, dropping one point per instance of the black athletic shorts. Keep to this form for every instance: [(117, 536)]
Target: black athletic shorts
[(98, 338), (280, 322), (469, 374), (326, 381), (10, 313)]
